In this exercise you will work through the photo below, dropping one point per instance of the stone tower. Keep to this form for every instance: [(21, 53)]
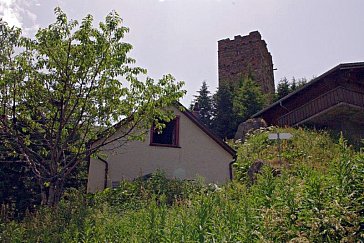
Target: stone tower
[(246, 56)]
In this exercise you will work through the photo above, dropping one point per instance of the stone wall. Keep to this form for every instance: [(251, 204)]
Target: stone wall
[(246, 56)]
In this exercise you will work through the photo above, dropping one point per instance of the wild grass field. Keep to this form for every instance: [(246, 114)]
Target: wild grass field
[(314, 194)]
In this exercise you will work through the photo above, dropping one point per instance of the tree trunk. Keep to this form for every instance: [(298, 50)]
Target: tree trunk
[(51, 194), (43, 193)]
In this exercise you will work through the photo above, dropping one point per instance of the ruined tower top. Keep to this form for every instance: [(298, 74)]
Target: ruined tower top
[(246, 56)]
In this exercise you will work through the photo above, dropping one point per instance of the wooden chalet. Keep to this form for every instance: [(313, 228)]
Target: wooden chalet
[(334, 100)]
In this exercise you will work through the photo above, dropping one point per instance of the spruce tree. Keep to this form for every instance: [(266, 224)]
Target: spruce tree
[(286, 87), (300, 83), (203, 101), (248, 99), (223, 123), (283, 88)]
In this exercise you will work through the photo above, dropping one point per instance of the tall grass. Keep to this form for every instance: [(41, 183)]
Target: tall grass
[(317, 197)]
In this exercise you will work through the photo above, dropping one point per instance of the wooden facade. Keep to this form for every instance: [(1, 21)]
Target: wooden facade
[(333, 100)]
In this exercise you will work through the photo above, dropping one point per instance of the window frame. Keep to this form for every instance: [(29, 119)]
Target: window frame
[(175, 144)]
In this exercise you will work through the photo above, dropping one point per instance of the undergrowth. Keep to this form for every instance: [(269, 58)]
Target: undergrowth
[(317, 196)]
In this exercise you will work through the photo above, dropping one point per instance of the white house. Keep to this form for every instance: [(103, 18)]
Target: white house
[(185, 149)]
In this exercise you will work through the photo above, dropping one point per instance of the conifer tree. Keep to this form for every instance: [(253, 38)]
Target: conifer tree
[(247, 100), (203, 101), (223, 123), (283, 88), (286, 87)]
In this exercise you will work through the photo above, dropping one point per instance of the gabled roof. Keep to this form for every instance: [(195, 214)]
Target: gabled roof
[(197, 122), (342, 66)]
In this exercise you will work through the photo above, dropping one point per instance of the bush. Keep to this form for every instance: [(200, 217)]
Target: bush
[(318, 198)]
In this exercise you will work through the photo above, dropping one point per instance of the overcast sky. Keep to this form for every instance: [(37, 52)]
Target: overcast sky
[(305, 37)]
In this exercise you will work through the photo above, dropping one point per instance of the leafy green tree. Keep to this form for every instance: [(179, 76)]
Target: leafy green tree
[(248, 99), (223, 123), (18, 189), (69, 86), (203, 101)]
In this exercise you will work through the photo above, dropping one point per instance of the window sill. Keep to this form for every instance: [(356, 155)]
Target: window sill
[(164, 145)]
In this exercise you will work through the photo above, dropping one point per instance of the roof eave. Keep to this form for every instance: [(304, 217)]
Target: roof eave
[(219, 141), (341, 66)]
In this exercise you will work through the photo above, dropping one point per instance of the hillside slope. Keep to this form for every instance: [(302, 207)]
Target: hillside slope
[(315, 195)]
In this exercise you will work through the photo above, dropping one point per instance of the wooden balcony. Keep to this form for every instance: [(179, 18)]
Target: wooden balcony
[(321, 104)]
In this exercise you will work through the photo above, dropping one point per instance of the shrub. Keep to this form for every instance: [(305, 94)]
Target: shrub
[(318, 198)]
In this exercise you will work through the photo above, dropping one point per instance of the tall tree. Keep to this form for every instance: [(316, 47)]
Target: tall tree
[(283, 88), (18, 190), (248, 99), (70, 85), (298, 84), (203, 101), (286, 87), (223, 123)]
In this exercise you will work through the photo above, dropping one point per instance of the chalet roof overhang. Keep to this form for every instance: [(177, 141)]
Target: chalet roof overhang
[(354, 71), (332, 116)]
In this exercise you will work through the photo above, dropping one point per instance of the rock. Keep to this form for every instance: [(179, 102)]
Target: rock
[(256, 168), (249, 126)]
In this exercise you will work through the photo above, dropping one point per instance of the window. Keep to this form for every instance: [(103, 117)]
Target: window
[(168, 137)]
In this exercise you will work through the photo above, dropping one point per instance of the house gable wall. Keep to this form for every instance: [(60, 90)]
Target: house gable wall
[(198, 155)]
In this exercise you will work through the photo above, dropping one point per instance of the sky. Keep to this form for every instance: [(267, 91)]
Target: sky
[(305, 37)]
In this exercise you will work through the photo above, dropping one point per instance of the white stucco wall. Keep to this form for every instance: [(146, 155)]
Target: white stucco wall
[(198, 155)]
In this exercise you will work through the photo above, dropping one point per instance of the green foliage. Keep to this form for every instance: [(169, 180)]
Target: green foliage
[(283, 88), (248, 100), (312, 200), (136, 194), (19, 192), (69, 86), (233, 105), (203, 104), (223, 123), (316, 197), (286, 87)]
